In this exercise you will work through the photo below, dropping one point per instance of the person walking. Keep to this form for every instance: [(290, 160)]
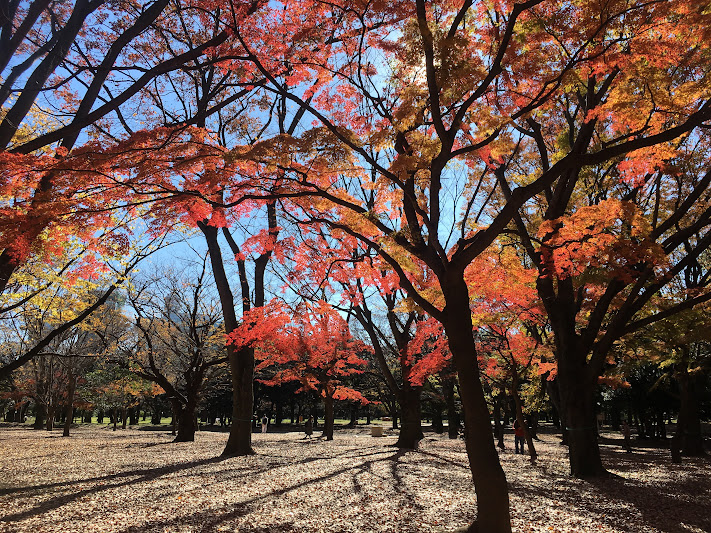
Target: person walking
[(265, 422)]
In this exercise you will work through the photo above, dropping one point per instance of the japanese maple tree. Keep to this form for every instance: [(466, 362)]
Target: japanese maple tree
[(311, 345)]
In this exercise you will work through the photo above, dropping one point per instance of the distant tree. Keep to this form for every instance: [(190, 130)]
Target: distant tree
[(177, 338)]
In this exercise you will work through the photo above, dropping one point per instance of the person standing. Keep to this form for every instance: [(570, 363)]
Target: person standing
[(309, 427), (627, 434), (265, 422), (519, 436)]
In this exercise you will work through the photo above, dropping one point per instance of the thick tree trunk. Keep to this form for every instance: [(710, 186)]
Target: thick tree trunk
[(688, 430), (577, 391), (156, 416), (489, 478), (124, 417), (175, 408), (69, 414), (40, 414), (241, 361), (242, 371), (354, 415), (278, 413), (328, 418), (186, 423), (115, 417), (410, 418)]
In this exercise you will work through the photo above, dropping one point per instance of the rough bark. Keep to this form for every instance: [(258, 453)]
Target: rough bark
[(50, 418), (186, 423), (489, 479), (688, 431), (69, 413), (241, 362), (410, 418), (40, 415), (328, 418), (437, 424), (577, 388)]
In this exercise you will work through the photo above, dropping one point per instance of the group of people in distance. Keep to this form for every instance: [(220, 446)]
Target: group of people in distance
[(308, 426)]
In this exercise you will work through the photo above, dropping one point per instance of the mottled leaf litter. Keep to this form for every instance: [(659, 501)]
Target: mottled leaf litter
[(135, 481)]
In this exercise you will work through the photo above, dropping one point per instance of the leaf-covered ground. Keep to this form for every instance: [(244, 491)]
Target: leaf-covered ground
[(133, 481)]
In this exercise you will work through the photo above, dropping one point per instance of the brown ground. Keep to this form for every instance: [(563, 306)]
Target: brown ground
[(135, 481)]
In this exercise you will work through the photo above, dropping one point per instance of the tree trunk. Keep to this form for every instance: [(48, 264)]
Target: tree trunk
[(498, 428), (50, 418), (661, 428), (134, 415), (688, 428), (354, 415), (156, 416), (328, 417), (241, 361), (452, 415), (115, 417), (489, 478), (553, 388), (69, 418), (242, 372), (40, 414), (522, 422), (410, 418), (186, 423), (437, 424), (278, 413), (577, 391), (124, 417)]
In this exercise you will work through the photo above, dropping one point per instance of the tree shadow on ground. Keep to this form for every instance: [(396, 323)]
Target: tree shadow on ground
[(107, 482), (210, 519), (664, 504)]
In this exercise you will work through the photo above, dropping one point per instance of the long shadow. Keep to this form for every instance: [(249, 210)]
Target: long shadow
[(136, 476), (209, 521), (441, 459), (54, 503), (656, 502), (667, 507), (399, 483)]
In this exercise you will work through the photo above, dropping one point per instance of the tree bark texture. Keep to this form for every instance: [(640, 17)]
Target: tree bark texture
[(490, 484)]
